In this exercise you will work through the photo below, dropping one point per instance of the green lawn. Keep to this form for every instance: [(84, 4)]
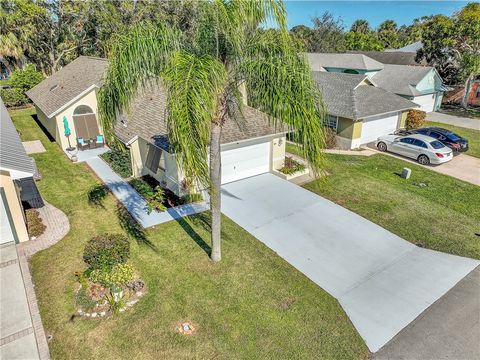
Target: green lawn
[(473, 136), (443, 216), (252, 305)]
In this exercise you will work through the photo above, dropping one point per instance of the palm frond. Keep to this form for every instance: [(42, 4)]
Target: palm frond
[(136, 58), (194, 85), (280, 83)]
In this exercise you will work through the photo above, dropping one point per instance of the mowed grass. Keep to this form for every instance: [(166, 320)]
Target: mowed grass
[(443, 216), (252, 305), (473, 136)]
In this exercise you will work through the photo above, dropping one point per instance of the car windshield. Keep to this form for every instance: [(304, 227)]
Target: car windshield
[(436, 144)]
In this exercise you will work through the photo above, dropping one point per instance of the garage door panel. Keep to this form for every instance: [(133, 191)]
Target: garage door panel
[(245, 162), (375, 127)]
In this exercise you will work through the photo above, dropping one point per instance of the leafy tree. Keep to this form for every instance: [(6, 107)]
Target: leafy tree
[(327, 34), (202, 73), (360, 26), (388, 34), (304, 35), (361, 37), (26, 78)]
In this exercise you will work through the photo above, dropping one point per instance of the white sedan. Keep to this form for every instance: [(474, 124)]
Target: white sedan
[(425, 149)]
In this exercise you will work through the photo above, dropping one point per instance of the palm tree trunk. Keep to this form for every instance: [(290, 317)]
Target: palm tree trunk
[(466, 95), (215, 196)]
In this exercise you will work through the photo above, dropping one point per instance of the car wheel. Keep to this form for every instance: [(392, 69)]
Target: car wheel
[(382, 146), (423, 159)]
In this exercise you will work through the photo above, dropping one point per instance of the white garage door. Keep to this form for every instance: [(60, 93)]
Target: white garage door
[(6, 234), (377, 126), (245, 162), (426, 102)]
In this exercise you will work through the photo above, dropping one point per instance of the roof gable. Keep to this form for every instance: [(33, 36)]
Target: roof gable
[(61, 88), (402, 79), (343, 61)]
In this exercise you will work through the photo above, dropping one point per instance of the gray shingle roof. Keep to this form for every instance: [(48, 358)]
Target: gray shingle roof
[(394, 57), (413, 47), (401, 79), (56, 91), (347, 61), (12, 153), (345, 96), (147, 119)]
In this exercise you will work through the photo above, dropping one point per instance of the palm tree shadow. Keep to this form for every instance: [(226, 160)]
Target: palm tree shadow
[(133, 228), (201, 220)]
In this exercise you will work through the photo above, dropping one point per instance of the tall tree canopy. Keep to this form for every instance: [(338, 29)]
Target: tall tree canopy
[(202, 69)]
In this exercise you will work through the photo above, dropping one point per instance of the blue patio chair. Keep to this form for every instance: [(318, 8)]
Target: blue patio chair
[(81, 144), (100, 141)]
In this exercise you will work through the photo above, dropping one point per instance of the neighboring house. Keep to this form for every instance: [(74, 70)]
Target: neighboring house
[(251, 146), (18, 191), (410, 48), (344, 63), (359, 111), (393, 57), (455, 96), (420, 84), (71, 94)]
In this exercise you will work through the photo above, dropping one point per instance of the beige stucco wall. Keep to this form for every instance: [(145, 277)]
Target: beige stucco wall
[(89, 99), (49, 123), (403, 119), (170, 177), (278, 152), (14, 205)]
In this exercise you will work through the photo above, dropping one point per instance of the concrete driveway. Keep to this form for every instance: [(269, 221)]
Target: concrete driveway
[(382, 281), (454, 120)]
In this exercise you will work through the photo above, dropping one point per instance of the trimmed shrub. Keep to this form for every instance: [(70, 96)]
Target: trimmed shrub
[(13, 97), (35, 226), (330, 138), (415, 119), (142, 187), (119, 275), (156, 201), (119, 161), (26, 78), (105, 251)]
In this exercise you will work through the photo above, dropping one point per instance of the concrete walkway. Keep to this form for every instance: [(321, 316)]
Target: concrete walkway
[(382, 281), (134, 203), (22, 335), (449, 329), (454, 120)]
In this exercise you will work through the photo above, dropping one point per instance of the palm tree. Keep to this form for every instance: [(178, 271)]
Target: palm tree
[(360, 26), (203, 74)]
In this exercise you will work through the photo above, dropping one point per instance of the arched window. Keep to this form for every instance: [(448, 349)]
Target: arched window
[(350, 71), (82, 110)]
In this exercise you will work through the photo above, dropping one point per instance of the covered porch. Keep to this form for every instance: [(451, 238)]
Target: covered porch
[(86, 154)]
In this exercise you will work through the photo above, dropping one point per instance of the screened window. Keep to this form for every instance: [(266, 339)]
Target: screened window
[(332, 122), (155, 160)]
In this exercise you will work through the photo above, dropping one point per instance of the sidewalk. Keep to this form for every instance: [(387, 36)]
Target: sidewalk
[(454, 120), (22, 334), (134, 203)]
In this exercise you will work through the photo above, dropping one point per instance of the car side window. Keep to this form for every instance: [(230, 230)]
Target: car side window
[(406, 140), (420, 143), (435, 135)]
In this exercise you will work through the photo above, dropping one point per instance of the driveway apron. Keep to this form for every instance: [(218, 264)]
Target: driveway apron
[(382, 281)]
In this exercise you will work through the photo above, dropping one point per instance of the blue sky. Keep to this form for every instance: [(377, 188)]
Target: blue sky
[(403, 12)]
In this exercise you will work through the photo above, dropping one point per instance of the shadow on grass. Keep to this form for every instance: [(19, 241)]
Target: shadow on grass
[(43, 128), (202, 220), (133, 228), (97, 194)]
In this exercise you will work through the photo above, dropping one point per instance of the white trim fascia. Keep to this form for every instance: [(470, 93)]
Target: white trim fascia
[(75, 99), (271, 136), (16, 174), (389, 112), (131, 141)]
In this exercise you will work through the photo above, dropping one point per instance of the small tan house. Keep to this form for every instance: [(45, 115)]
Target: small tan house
[(249, 147), (17, 184), (71, 94), (359, 111)]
